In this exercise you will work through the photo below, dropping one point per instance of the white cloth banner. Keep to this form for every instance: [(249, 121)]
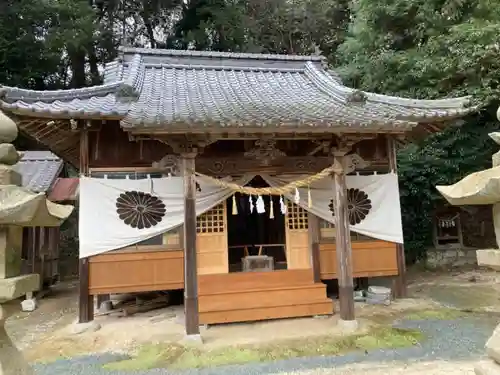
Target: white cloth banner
[(115, 213), (374, 203), (106, 214)]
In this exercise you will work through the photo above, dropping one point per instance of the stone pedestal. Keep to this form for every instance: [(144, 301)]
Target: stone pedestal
[(12, 361), (490, 258), (491, 366)]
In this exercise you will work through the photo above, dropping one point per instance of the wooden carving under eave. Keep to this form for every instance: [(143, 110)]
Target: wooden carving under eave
[(187, 143), (227, 166), (345, 142)]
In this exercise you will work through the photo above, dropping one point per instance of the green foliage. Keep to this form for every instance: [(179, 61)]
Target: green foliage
[(442, 159), (429, 49), (415, 48)]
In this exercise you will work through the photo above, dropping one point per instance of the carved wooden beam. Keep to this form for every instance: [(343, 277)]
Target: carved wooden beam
[(227, 166), (186, 144), (353, 162), (345, 142)]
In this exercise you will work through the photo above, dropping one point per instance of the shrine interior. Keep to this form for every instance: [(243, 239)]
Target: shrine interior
[(255, 233)]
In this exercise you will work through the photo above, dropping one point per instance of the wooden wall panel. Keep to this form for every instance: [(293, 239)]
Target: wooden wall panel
[(369, 258), (127, 272)]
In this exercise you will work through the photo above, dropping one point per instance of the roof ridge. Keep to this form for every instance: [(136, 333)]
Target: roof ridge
[(224, 67), (216, 54)]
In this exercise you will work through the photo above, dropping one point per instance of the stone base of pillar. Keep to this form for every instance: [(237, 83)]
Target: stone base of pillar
[(348, 326), (91, 326), (192, 340)]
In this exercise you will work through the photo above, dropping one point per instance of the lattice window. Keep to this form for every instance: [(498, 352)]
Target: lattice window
[(211, 221), (296, 216)]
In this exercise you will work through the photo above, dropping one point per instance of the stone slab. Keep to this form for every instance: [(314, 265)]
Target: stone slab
[(489, 258), (487, 367), (15, 287), (493, 345)]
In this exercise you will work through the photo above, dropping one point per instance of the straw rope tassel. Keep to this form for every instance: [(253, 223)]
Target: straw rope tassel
[(235, 207), (282, 206), (271, 209), (261, 208), (309, 198)]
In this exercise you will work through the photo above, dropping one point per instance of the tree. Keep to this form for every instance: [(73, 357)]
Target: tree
[(429, 49)]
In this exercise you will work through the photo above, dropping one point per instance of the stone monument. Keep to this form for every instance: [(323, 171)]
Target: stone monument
[(18, 208), (483, 188)]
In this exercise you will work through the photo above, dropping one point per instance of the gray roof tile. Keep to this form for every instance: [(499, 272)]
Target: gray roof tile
[(39, 170), (179, 89)]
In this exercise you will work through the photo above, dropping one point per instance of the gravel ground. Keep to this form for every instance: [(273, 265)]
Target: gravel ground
[(450, 345)]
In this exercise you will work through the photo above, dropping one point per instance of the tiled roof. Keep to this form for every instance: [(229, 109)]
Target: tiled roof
[(192, 89), (65, 189), (39, 170)]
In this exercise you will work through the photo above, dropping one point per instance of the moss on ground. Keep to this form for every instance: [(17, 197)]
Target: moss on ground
[(180, 357)]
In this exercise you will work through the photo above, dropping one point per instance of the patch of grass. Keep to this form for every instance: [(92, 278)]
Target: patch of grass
[(178, 357), (472, 297), (435, 314), (149, 357)]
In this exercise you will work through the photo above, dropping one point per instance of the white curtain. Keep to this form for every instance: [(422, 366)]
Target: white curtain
[(100, 227), (108, 221), (376, 198)]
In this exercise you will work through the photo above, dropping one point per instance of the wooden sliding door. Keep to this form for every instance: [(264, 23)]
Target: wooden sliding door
[(211, 245), (297, 237)]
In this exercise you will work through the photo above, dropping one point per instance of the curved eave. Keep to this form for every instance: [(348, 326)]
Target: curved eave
[(94, 108), (415, 110)]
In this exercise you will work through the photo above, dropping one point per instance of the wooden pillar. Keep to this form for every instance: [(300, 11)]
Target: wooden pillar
[(399, 284), (86, 301), (190, 267), (314, 234), (343, 248)]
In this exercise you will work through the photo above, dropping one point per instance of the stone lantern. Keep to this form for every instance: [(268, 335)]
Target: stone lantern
[(483, 188), (18, 208)]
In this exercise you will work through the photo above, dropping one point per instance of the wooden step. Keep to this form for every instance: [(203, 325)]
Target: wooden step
[(248, 299), (310, 308), (208, 284)]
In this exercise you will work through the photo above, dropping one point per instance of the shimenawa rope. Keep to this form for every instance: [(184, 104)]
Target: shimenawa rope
[(273, 190)]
